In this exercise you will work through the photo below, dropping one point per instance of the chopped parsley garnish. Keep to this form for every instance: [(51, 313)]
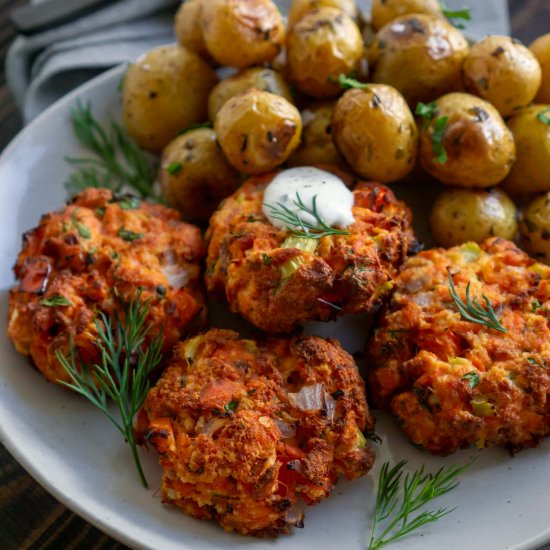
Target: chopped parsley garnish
[(128, 235), (456, 17), (347, 83), (83, 230), (440, 127), (544, 116), (129, 203), (472, 378), (427, 111), (56, 301), (231, 406), (174, 168)]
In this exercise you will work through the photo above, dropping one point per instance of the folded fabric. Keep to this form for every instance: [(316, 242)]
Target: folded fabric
[(43, 67)]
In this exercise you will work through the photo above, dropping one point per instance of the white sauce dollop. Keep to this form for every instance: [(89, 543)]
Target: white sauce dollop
[(334, 200)]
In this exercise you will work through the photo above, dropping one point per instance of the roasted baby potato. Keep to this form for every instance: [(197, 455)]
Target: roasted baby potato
[(258, 131), (466, 142), (534, 227), (322, 45), (375, 131), (462, 215), (260, 78), (317, 145), (298, 8), (503, 71), (420, 55), (188, 29), (541, 48), (384, 11), (165, 91), (531, 172), (242, 33), (195, 175)]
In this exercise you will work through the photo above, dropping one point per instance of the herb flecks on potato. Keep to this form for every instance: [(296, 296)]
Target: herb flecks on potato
[(165, 91)]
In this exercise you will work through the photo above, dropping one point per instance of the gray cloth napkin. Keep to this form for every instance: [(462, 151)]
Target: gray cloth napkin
[(43, 67)]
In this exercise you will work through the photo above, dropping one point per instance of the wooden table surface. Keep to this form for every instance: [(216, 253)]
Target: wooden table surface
[(30, 517)]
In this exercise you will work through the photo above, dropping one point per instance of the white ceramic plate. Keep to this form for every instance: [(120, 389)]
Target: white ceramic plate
[(76, 455)]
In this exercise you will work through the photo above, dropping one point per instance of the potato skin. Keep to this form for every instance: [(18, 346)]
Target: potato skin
[(188, 29), (531, 172), (375, 131), (317, 145), (480, 148), (502, 71), (260, 78), (258, 131), (534, 228), (164, 92), (541, 49), (420, 55), (80, 253), (242, 33), (463, 215), (322, 45), (385, 11), (298, 8), (195, 176)]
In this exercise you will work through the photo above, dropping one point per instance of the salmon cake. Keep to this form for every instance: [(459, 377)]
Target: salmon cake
[(245, 428), (277, 281), (472, 369), (90, 258)]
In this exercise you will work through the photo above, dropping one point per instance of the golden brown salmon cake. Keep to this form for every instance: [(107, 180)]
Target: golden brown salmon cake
[(90, 257), (270, 279), (244, 428), (452, 382)]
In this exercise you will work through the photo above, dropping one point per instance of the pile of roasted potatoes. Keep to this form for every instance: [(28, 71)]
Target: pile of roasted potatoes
[(397, 94)]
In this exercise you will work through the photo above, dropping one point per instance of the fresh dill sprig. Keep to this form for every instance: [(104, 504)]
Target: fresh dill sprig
[(118, 161), (299, 227), (415, 490), (456, 17), (472, 310), (122, 375), (440, 127), (347, 83)]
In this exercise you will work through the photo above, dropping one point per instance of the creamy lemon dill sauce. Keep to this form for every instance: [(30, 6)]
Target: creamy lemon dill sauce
[(334, 201)]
